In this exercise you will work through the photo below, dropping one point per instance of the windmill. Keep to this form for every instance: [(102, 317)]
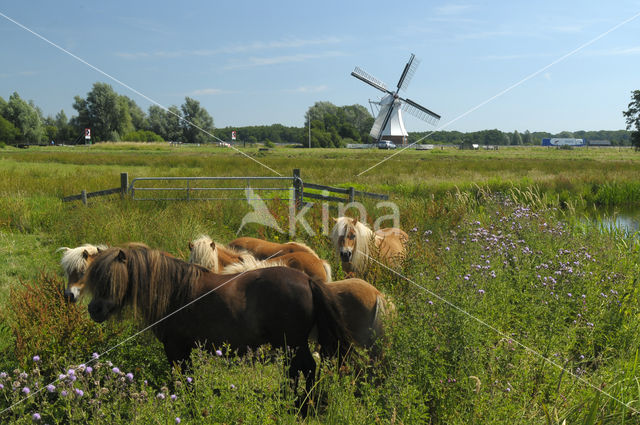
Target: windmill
[(389, 124)]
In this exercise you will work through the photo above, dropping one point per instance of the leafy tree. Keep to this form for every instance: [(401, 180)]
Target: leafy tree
[(632, 116), (8, 132), (26, 117), (516, 140), (196, 122), (165, 123), (526, 138), (108, 114), (65, 131), (142, 136)]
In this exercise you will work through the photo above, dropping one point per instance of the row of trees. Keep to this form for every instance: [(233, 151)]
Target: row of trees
[(115, 117), (109, 115)]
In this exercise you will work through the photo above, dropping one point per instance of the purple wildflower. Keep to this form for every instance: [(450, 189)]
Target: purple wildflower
[(64, 393), (174, 397), (115, 370), (1, 387), (218, 353), (26, 390), (160, 396), (36, 359), (3, 375), (88, 370), (189, 380), (36, 417), (481, 291), (129, 376), (71, 372), (178, 420), (51, 388), (78, 392), (233, 387), (95, 356)]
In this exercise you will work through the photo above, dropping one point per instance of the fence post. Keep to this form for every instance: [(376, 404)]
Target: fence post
[(352, 194), (124, 184), (297, 189), (84, 196)]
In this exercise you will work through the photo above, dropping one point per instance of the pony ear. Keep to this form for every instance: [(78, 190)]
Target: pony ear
[(99, 249), (354, 221), (122, 257), (213, 245), (190, 246), (334, 219), (85, 254)]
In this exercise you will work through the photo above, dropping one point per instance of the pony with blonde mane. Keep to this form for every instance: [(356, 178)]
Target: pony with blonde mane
[(221, 259), (188, 305), (262, 249), (74, 262), (356, 244)]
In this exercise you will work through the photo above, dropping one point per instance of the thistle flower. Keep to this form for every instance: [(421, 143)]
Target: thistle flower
[(129, 376), (178, 420), (51, 388), (36, 417), (174, 397), (78, 392), (36, 359), (218, 353), (64, 393), (115, 370), (95, 356), (26, 390), (160, 396)]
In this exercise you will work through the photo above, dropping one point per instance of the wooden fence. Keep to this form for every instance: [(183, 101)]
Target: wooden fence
[(299, 195)]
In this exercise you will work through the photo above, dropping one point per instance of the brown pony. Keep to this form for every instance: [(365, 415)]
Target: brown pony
[(219, 259), (355, 243), (264, 249), (188, 305), (74, 262)]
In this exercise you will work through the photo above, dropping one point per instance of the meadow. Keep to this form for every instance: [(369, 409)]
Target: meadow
[(510, 308)]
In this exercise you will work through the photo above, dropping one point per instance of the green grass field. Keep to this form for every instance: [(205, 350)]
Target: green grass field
[(510, 308)]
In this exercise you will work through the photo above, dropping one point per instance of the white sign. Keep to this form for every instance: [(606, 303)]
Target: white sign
[(87, 133), (233, 135)]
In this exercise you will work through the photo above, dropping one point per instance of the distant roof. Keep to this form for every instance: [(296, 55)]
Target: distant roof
[(599, 142)]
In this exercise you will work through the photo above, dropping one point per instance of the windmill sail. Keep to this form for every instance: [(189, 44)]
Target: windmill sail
[(407, 74), (420, 112), (381, 121), (369, 79)]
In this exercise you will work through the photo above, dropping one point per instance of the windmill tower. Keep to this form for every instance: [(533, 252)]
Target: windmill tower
[(388, 124)]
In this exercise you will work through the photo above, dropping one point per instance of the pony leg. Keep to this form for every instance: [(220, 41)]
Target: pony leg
[(178, 354), (303, 361)]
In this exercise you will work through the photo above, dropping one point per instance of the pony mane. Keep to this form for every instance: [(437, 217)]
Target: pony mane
[(364, 239), (73, 258), (251, 263), (153, 283), (204, 254)]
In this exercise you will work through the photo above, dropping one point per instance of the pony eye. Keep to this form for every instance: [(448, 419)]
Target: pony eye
[(351, 236)]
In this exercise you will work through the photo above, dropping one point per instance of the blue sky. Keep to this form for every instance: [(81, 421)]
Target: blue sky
[(259, 63)]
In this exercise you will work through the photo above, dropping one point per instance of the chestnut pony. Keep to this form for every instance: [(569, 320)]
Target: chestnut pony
[(264, 249), (355, 244), (189, 305), (220, 259)]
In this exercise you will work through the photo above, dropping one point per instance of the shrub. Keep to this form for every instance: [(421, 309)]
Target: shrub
[(142, 136)]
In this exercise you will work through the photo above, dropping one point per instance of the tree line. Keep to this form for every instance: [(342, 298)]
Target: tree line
[(109, 115), (115, 117)]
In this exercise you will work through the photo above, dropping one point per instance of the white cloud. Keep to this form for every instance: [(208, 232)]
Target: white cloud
[(309, 89), (616, 51), (252, 62), (289, 43), (452, 9), (207, 92)]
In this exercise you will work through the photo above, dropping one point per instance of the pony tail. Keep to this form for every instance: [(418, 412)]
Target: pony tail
[(327, 270), (333, 334)]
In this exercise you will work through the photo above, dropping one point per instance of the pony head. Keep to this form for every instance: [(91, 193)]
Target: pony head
[(107, 280), (74, 262), (204, 252)]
